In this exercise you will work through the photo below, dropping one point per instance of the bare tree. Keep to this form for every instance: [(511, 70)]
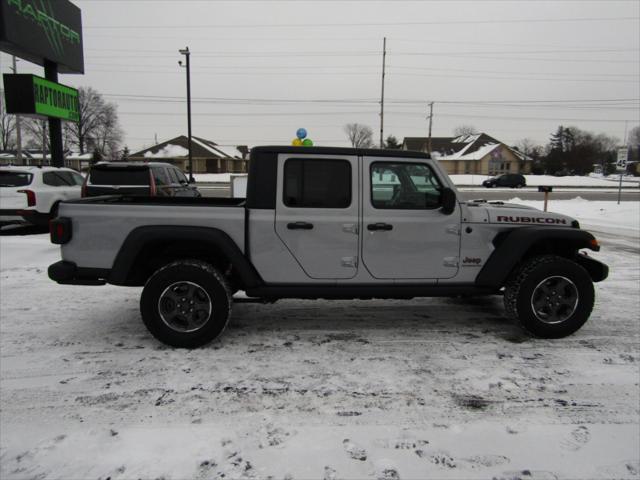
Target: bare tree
[(464, 130), (7, 127), (38, 133), (107, 136), (360, 136), (97, 126)]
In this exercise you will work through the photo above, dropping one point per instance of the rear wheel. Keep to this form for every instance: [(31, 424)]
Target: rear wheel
[(186, 304), (550, 296)]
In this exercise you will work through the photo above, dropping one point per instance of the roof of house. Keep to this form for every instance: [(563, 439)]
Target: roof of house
[(463, 147), (179, 147)]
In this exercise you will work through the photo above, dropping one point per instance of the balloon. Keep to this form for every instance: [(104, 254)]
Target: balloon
[(307, 142), (301, 133), (296, 142)]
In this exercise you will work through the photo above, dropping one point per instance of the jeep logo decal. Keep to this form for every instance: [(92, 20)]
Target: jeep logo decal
[(545, 220), (471, 261)]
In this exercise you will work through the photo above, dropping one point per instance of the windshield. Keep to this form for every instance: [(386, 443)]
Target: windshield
[(15, 179)]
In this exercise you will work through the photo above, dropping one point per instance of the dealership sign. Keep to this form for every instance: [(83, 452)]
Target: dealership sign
[(31, 95), (39, 30)]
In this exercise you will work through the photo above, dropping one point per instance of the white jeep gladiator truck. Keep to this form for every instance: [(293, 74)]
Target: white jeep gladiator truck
[(332, 223)]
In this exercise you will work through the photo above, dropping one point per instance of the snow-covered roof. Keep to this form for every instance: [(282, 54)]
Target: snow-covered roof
[(466, 138), (478, 154), (168, 151)]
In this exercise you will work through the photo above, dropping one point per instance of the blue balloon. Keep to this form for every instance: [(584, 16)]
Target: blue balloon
[(301, 133)]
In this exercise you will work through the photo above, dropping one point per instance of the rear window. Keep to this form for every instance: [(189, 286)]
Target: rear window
[(15, 179), (317, 183), (119, 176)]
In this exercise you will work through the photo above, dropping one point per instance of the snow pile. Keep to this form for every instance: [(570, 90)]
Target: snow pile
[(601, 215), (213, 177), (169, 151), (536, 180)]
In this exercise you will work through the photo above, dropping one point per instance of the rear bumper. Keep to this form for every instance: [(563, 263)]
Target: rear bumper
[(68, 273), (19, 215)]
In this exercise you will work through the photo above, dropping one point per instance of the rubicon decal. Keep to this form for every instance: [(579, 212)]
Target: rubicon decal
[(543, 220)]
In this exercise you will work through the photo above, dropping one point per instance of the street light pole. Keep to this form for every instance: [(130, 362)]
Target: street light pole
[(187, 54)]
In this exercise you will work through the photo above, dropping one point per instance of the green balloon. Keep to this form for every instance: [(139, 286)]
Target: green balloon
[(307, 142)]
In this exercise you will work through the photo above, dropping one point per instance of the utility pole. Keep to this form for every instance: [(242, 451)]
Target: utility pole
[(430, 117), (187, 54), (384, 57), (18, 125)]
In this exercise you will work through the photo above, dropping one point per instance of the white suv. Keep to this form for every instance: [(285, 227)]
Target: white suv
[(32, 194)]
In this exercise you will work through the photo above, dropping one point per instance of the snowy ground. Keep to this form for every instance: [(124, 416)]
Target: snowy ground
[(569, 181), (427, 388)]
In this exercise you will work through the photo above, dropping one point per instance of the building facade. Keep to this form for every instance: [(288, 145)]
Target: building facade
[(477, 154), (207, 156)]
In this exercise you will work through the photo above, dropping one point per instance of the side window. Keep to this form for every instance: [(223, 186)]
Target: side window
[(76, 178), (181, 176), (56, 179), (317, 183), (160, 176), (404, 186), (173, 175)]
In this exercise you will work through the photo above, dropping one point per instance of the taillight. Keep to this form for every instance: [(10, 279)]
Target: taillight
[(31, 197), (60, 230), (152, 184), (83, 191)]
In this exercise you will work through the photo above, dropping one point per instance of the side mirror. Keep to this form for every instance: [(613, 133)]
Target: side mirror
[(448, 197)]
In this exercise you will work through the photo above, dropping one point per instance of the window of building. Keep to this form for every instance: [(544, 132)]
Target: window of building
[(317, 183), (410, 186)]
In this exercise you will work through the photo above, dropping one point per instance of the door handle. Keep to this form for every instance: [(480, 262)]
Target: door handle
[(300, 226), (379, 226)]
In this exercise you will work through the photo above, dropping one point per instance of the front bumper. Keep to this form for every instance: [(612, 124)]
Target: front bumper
[(598, 271), (68, 273)]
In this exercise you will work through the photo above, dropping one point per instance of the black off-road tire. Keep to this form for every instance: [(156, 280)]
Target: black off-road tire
[(212, 286), (521, 285)]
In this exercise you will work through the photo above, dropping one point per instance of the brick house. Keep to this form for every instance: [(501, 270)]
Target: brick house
[(477, 154), (207, 156)]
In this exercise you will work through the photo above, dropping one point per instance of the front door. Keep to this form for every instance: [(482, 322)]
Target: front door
[(405, 235), (317, 213)]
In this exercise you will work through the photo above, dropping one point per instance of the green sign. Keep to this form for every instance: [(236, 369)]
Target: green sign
[(39, 30), (31, 95), (55, 100)]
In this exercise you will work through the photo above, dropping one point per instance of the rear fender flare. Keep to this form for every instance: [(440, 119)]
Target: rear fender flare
[(218, 241)]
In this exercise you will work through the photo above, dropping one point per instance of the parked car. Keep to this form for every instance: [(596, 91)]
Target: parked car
[(331, 223), (512, 180), (32, 194), (152, 179)]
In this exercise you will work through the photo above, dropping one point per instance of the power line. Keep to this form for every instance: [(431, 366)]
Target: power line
[(370, 24)]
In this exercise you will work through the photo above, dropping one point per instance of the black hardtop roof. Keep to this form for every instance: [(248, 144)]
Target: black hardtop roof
[(130, 165), (371, 152)]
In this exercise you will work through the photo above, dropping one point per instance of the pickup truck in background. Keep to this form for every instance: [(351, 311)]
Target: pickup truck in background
[(333, 223)]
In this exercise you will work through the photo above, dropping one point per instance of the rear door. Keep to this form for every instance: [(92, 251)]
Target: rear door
[(317, 213), (405, 234)]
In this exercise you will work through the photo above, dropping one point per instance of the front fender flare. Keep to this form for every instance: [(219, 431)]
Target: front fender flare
[(513, 246)]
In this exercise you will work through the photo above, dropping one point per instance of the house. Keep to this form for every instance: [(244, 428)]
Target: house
[(31, 157), (207, 156), (478, 154)]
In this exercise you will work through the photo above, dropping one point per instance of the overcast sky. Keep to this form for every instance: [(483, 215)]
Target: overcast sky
[(261, 69)]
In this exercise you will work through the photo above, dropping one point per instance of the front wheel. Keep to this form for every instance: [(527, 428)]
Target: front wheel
[(550, 296), (186, 304)]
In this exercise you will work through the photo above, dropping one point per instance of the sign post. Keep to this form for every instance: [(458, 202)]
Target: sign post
[(547, 190), (47, 33), (621, 167)]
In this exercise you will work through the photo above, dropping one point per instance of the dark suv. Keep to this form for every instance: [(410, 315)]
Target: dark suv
[(137, 178), (512, 180)]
